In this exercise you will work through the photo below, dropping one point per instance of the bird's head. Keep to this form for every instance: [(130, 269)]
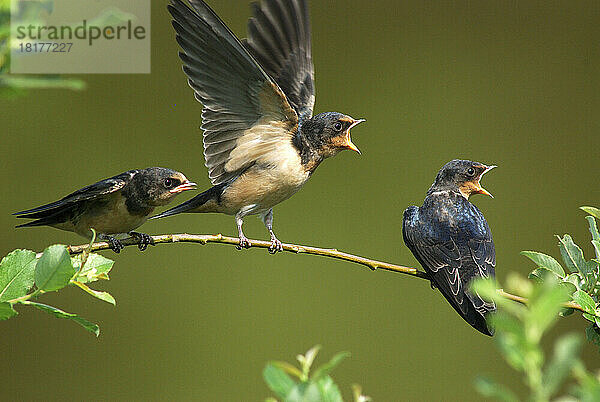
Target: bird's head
[(329, 133), (161, 185), (461, 175)]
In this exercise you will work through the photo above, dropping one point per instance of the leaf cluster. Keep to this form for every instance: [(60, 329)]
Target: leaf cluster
[(580, 277), (24, 276), (519, 331), (315, 386)]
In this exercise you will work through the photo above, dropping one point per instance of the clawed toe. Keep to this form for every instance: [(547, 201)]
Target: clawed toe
[(144, 240), (115, 244), (276, 246), (244, 243)]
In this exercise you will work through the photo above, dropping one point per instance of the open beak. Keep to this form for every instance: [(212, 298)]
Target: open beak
[(478, 188), (349, 144), (185, 186)]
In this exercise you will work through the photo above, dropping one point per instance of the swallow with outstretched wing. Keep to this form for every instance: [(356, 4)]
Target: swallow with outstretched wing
[(261, 140)]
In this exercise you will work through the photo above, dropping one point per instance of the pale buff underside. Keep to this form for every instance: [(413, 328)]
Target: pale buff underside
[(275, 173), (275, 176), (121, 221)]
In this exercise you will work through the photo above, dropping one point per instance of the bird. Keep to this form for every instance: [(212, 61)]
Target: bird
[(453, 242), (112, 206), (261, 140)]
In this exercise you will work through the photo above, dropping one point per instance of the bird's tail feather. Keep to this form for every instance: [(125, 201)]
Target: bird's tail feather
[(213, 193), (470, 314), (50, 220)]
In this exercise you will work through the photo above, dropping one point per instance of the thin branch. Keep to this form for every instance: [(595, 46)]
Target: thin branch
[(293, 248)]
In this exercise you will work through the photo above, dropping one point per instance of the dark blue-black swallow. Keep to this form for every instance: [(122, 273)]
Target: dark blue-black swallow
[(112, 206), (452, 240), (261, 140)]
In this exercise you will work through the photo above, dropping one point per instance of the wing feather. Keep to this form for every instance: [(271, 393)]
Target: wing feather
[(245, 113), (103, 187), (452, 264), (279, 39)]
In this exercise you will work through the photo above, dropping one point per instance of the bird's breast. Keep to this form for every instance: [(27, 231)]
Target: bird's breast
[(273, 179)]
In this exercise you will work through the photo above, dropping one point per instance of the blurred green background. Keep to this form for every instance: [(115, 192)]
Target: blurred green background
[(513, 84)]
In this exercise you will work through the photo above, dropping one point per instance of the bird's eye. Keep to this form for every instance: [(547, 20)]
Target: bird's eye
[(471, 171), (338, 126), (169, 183)]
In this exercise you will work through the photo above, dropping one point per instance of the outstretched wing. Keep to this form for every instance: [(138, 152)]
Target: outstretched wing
[(92, 191), (452, 263), (279, 39), (246, 116)]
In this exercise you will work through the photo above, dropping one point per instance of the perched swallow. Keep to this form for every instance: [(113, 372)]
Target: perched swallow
[(116, 205), (451, 239), (261, 140)]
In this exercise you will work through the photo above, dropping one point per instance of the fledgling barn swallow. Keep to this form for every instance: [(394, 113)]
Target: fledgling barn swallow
[(452, 240), (113, 206), (261, 140)]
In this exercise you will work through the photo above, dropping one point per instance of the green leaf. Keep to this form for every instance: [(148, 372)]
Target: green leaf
[(596, 245), (544, 307), (486, 288), (90, 326), (545, 261), (16, 274), (287, 368), (511, 339), (96, 267), (566, 352), (572, 254), (6, 311), (566, 312), (569, 286), (304, 392), (541, 274), (329, 390), (41, 82), (506, 323), (585, 301), (325, 369), (307, 360), (491, 389), (104, 296), (54, 269), (592, 334), (575, 279), (595, 212), (278, 381), (593, 228)]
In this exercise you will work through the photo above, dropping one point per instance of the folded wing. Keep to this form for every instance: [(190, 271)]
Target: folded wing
[(101, 188), (452, 264)]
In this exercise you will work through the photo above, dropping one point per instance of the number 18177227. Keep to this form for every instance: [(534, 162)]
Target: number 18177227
[(45, 47)]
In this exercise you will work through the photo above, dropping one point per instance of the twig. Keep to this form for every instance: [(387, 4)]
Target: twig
[(293, 248)]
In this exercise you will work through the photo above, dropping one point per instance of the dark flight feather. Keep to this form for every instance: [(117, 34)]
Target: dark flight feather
[(237, 94), (279, 38), (103, 187)]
